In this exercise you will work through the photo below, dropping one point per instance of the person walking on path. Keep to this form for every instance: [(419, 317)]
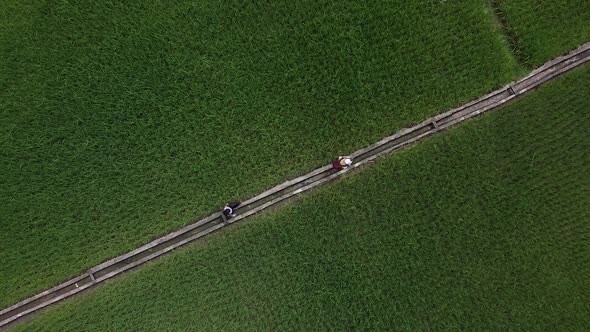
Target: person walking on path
[(342, 162), (228, 209)]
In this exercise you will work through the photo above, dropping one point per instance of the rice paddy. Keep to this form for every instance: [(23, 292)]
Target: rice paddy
[(484, 227), (121, 121), (544, 29)]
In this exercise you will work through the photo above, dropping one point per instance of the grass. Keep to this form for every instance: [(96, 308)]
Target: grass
[(543, 29), (122, 121), (484, 227)]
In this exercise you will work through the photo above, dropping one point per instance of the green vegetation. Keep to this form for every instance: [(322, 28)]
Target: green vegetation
[(484, 227), (543, 29), (120, 121)]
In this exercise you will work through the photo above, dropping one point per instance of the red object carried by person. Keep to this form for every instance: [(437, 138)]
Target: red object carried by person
[(336, 164)]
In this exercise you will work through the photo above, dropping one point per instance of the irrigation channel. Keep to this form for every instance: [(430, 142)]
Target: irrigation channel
[(291, 188)]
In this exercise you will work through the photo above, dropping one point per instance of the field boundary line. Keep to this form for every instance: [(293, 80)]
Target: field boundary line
[(291, 188)]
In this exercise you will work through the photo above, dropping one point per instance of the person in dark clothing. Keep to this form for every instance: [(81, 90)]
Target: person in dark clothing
[(228, 209)]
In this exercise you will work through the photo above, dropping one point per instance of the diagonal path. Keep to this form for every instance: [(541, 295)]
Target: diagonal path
[(288, 189)]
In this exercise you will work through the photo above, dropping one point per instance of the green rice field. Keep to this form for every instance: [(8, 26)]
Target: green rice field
[(121, 121), (484, 227), (544, 29)]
